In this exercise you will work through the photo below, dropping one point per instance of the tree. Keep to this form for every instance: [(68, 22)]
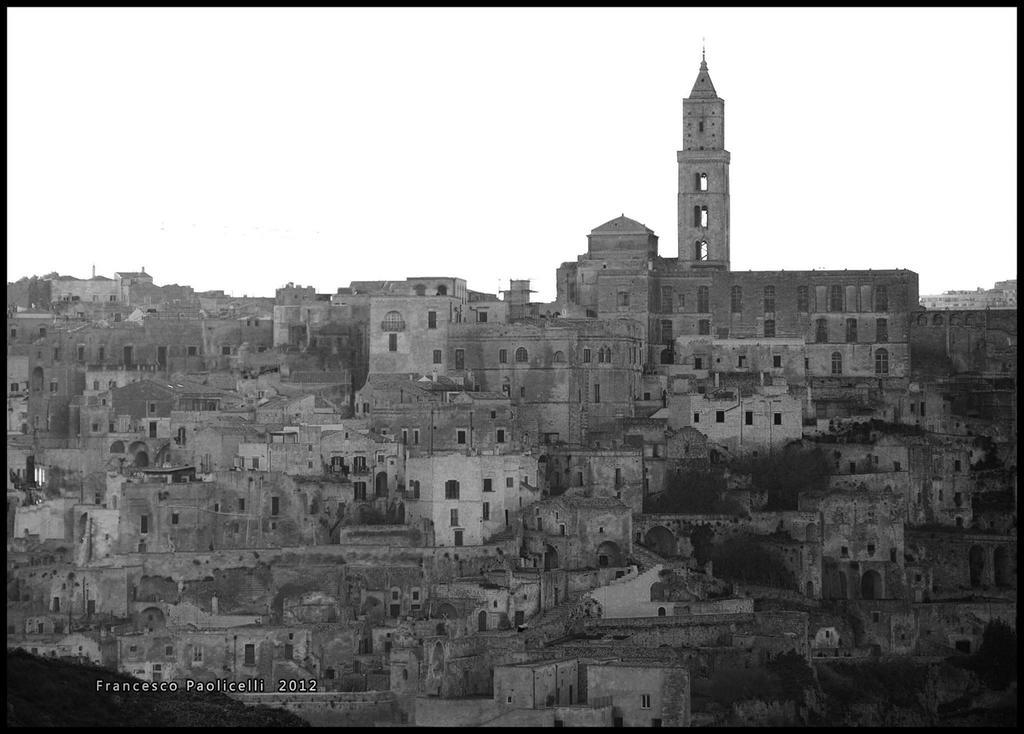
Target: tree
[(996, 659)]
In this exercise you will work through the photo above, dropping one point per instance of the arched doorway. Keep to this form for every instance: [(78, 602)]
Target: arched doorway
[(380, 484), (1001, 562), (871, 585), (608, 554), (976, 564), (117, 447), (661, 613), (661, 540), (481, 622), (140, 453), (550, 558)]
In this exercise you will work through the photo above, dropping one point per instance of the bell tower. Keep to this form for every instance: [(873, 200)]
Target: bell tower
[(704, 178)]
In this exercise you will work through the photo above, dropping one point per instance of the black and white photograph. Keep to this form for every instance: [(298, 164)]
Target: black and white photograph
[(462, 367)]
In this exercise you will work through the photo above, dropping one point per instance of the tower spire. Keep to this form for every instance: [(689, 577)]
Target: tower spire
[(703, 59)]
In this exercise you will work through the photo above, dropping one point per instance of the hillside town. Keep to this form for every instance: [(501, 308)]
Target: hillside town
[(408, 502)]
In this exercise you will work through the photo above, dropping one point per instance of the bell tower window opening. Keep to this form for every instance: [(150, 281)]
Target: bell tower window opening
[(701, 251), (701, 181), (700, 126), (704, 217)]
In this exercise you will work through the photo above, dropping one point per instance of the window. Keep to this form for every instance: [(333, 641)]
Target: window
[(666, 332), (488, 485), (225, 350), (193, 351), (486, 511), (769, 329), (437, 356), (741, 360), (704, 327), (415, 436), (748, 417), (500, 438), (144, 524), (431, 319), (458, 537), (881, 298), (666, 299), (703, 299), (454, 517), (645, 701), (451, 489), (393, 321), (174, 518), (700, 250), (56, 354), (522, 355), (696, 417), (736, 299), (622, 299), (14, 387), (703, 217), (835, 298), (802, 299), (250, 654), (597, 393), (777, 419), (392, 342), (719, 416), (241, 505), (769, 299), (460, 436), (460, 359), (851, 330), (776, 360), (837, 363), (275, 505), (586, 355), (81, 353), (359, 491), (509, 482), (821, 331), (882, 364), (881, 330), (54, 386), (698, 363), (503, 356)]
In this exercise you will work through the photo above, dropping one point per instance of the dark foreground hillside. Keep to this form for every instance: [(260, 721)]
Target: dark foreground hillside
[(45, 692)]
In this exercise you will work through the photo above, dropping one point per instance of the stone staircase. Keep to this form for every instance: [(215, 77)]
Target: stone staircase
[(646, 559), (552, 624)]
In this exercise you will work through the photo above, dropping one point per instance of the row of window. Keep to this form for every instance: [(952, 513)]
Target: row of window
[(837, 300), (748, 417), (881, 330)]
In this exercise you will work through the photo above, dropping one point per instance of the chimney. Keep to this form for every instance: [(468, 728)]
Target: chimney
[(94, 271), (143, 268)]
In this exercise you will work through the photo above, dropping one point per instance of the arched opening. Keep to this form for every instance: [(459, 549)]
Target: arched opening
[(559, 357), (152, 618), (608, 554), (937, 320), (661, 613), (445, 611), (976, 564), (871, 585), (522, 355), (419, 290), (380, 484), (661, 540), (809, 590), (1001, 562), (117, 447), (442, 290), (141, 459), (811, 532), (550, 558), (437, 659), (37, 379), (481, 622)]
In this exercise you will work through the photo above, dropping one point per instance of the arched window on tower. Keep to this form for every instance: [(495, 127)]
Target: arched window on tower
[(702, 181), (736, 299), (701, 250), (704, 217)]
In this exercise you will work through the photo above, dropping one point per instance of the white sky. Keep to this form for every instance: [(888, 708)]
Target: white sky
[(242, 149)]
